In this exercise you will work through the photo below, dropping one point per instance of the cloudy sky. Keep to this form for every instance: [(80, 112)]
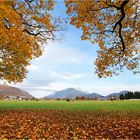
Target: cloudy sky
[(70, 63)]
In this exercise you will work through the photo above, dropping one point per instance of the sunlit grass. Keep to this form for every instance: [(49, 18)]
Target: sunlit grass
[(72, 105)]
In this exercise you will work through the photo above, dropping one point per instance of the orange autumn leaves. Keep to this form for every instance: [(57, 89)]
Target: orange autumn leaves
[(114, 25), (35, 124), (24, 25)]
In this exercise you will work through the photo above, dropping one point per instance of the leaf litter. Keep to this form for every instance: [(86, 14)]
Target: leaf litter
[(54, 124)]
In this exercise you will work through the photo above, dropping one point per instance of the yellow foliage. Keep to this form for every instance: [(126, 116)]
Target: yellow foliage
[(114, 25), (21, 26)]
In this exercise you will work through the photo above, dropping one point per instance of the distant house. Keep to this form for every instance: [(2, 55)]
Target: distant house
[(15, 98), (10, 98)]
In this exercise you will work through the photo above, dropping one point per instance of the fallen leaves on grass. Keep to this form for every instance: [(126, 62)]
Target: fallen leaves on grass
[(35, 124)]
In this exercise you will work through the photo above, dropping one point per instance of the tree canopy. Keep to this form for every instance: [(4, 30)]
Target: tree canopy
[(24, 25), (115, 26)]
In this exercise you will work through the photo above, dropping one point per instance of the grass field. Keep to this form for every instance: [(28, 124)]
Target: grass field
[(72, 105), (69, 120)]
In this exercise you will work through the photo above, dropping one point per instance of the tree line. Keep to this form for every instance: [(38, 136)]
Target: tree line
[(130, 95)]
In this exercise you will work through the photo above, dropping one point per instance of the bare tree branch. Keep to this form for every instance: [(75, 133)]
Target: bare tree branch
[(111, 5)]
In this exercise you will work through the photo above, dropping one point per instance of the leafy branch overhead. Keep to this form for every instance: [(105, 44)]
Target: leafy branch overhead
[(24, 25), (115, 26)]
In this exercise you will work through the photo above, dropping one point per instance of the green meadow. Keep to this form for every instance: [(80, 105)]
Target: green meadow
[(127, 105)]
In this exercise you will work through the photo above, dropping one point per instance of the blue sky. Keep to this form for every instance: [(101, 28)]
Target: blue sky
[(70, 63)]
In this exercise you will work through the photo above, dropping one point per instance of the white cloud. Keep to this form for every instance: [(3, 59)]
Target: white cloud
[(57, 54), (66, 75)]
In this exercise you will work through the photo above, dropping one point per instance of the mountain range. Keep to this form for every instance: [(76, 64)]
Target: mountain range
[(73, 93)]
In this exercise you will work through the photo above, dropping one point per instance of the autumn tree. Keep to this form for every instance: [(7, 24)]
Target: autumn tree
[(24, 25), (115, 26)]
